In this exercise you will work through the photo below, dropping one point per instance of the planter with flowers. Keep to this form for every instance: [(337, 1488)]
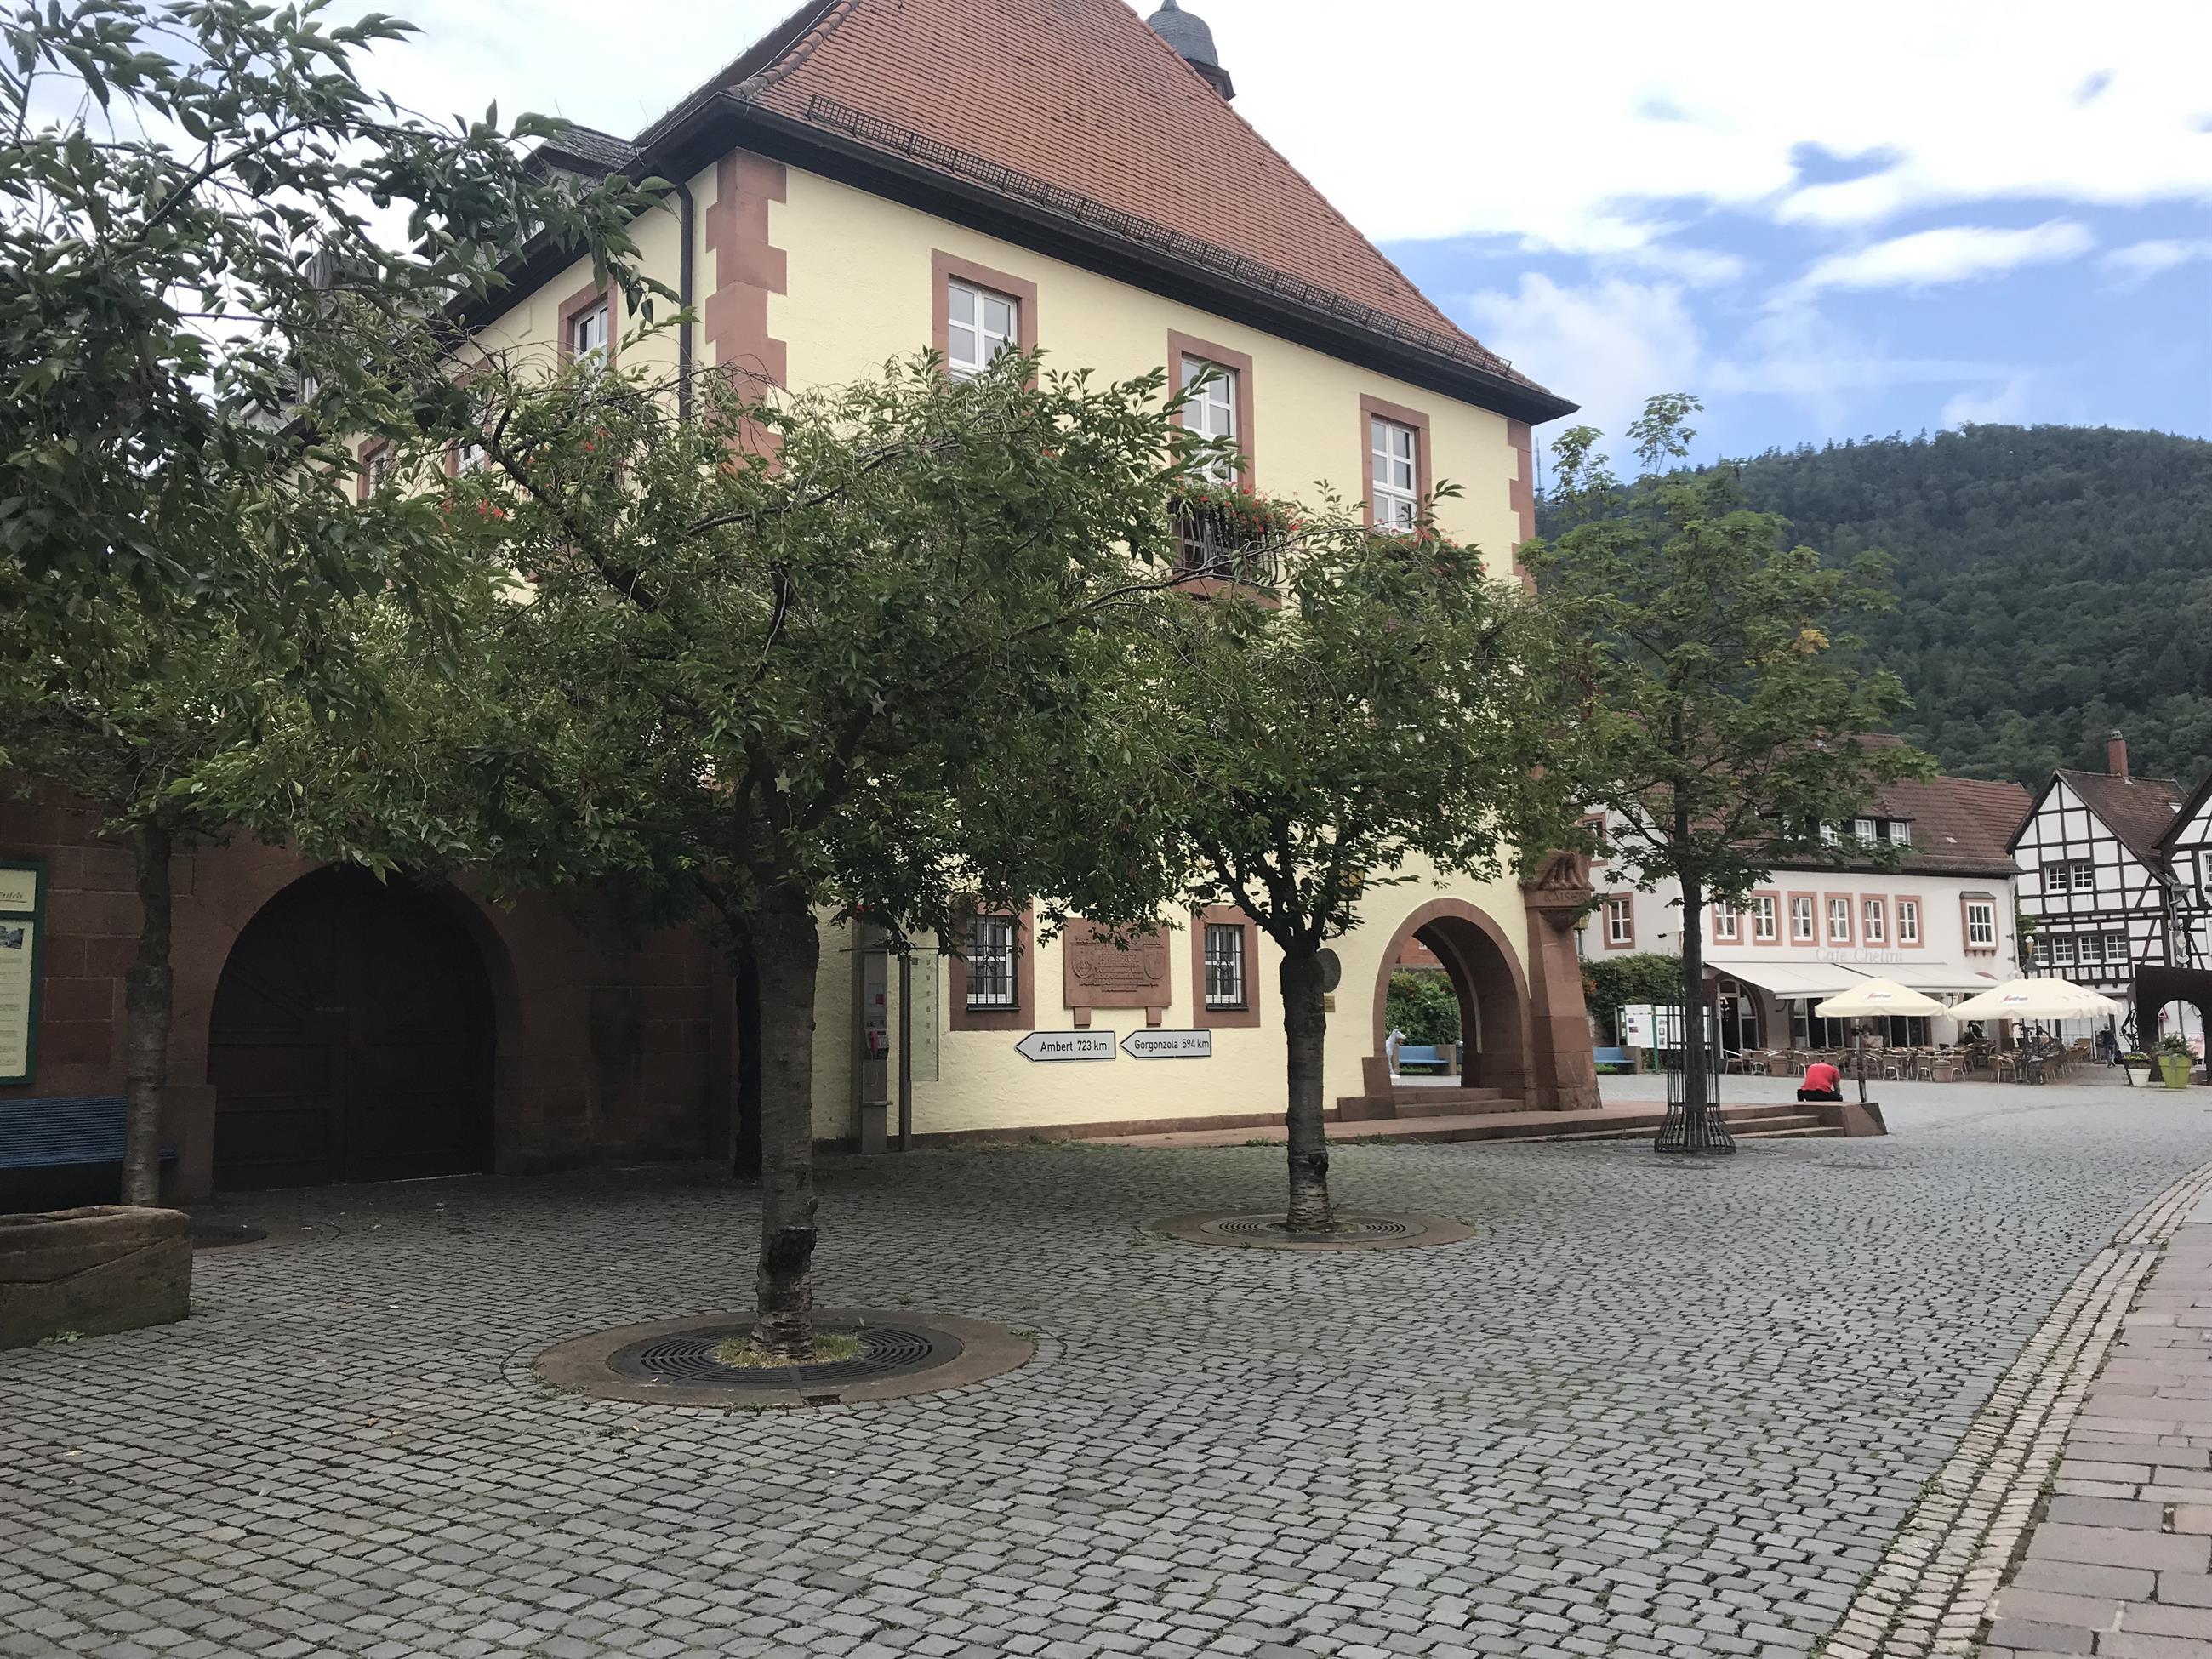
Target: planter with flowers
[(2175, 1060)]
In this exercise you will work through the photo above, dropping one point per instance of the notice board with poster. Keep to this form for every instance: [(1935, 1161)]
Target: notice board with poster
[(23, 914)]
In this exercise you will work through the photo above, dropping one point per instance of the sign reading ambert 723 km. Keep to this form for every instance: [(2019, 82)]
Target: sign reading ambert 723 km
[(1066, 1045)]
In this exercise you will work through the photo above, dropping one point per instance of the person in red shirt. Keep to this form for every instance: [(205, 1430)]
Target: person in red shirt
[(1822, 1082)]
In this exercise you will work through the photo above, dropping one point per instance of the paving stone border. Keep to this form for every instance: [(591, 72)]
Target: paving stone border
[(982, 1350), (1262, 1230), (1931, 1593)]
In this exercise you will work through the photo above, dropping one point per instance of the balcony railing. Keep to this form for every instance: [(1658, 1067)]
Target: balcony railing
[(1218, 546)]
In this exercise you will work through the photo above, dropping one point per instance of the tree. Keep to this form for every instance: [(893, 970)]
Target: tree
[(809, 658), (1396, 709), (1727, 708), (1614, 982), (199, 303), (1424, 1006)]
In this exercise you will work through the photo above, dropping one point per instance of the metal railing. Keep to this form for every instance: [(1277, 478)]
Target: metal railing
[(1214, 544)]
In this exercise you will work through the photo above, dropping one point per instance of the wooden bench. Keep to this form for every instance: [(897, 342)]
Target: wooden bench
[(62, 1132), (1411, 1054)]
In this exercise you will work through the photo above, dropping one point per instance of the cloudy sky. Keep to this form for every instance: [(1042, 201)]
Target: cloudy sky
[(1825, 220)]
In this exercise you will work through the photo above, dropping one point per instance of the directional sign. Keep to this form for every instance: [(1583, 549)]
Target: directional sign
[(1168, 1045), (1066, 1045)]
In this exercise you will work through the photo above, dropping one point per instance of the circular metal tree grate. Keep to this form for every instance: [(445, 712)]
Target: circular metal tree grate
[(687, 1357), (670, 1362), (1267, 1231), (1347, 1229)]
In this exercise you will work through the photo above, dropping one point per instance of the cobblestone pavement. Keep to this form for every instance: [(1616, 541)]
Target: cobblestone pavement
[(1647, 1409)]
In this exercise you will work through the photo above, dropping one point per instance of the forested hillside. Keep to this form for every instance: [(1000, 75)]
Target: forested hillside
[(2055, 584)]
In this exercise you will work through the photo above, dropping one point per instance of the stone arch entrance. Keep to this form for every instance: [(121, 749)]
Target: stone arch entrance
[(1487, 979), (351, 1038)]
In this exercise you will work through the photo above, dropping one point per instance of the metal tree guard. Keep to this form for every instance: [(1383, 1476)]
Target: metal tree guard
[(1705, 1132)]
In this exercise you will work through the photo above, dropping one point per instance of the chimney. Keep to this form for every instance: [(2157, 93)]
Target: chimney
[(2116, 757)]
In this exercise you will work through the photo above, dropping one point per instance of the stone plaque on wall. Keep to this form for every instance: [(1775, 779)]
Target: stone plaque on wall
[(1096, 973)]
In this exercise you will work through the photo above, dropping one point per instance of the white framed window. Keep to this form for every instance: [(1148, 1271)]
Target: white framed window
[(1863, 828), (979, 324), (1839, 921), (1981, 925), (2062, 950), (2042, 949), (1394, 451), (991, 961), (1725, 923), (1210, 410), (382, 460), (1877, 922), (2116, 954), (2092, 949), (587, 332), (1908, 921), (1224, 965), (1900, 833), (1800, 917), (1765, 924), (1619, 919), (1832, 835), (2084, 874)]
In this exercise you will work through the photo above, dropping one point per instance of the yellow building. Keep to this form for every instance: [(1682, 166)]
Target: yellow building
[(875, 176)]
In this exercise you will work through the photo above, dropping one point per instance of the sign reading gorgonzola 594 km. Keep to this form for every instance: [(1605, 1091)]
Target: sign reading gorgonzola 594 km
[(1066, 1045), (1168, 1045)]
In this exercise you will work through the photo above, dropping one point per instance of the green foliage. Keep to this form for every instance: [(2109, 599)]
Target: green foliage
[(2171, 1044), (1612, 983), (1726, 700), (1395, 710), (2054, 583), (1423, 1007), (817, 649)]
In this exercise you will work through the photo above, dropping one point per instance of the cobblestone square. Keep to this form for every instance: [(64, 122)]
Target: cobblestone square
[(1647, 1409)]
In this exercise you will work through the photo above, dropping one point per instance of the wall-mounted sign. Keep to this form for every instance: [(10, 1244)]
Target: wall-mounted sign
[(23, 906), (1168, 1045), (1066, 1045), (1095, 972)]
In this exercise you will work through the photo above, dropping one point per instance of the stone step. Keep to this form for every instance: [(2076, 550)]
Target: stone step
[(1433, 1103)]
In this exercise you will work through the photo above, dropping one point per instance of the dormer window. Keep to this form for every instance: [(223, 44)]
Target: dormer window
[(1863, 828), (1832, 835), (1900, 833)]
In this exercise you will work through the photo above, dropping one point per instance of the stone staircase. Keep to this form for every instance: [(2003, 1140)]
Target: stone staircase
[(1457, 1113)]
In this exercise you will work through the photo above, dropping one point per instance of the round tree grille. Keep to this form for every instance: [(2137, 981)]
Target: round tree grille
[(1348, 1229), (1354, 1230), (687, 1357)]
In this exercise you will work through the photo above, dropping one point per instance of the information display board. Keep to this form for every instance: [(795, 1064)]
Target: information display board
[(22, 919)]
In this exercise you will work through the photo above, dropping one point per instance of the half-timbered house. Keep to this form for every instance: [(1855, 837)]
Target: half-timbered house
[(2096, 886)]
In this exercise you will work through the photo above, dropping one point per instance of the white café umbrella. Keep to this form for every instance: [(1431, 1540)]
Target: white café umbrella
[(2036, 999), (1878, 996)]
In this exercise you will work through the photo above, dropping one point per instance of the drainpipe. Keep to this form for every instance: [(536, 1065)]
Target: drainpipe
[(684, 213)]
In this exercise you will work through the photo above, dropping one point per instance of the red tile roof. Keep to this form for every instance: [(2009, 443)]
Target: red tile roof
[(1080, 96), (1961, 825), (2139, 810)]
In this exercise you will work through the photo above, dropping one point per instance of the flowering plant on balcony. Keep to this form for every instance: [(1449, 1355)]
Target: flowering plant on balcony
[(1238, 513)]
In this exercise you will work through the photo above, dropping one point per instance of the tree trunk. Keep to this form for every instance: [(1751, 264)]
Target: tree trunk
[(147, 1001), (745, 1142), (1305, 1026), (1693, 1000), (787, 951)]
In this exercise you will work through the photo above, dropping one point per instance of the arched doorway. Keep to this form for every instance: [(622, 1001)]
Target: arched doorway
[(351, 1039), (1487, 979)]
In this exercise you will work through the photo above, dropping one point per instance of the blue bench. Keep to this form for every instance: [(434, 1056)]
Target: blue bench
[(1620, 1057), (1411, 1054), (64, 1132)]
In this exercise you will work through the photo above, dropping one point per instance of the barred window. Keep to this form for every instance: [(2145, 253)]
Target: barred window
[(1224, 964), (991, 961)]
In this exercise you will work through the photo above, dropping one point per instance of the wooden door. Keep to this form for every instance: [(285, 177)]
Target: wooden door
[(351, 1040)]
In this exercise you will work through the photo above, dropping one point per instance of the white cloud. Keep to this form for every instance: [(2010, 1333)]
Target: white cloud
[(1608, 346), (2139, 262), (1494, 130), (1955, 254), (2007, 403)]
